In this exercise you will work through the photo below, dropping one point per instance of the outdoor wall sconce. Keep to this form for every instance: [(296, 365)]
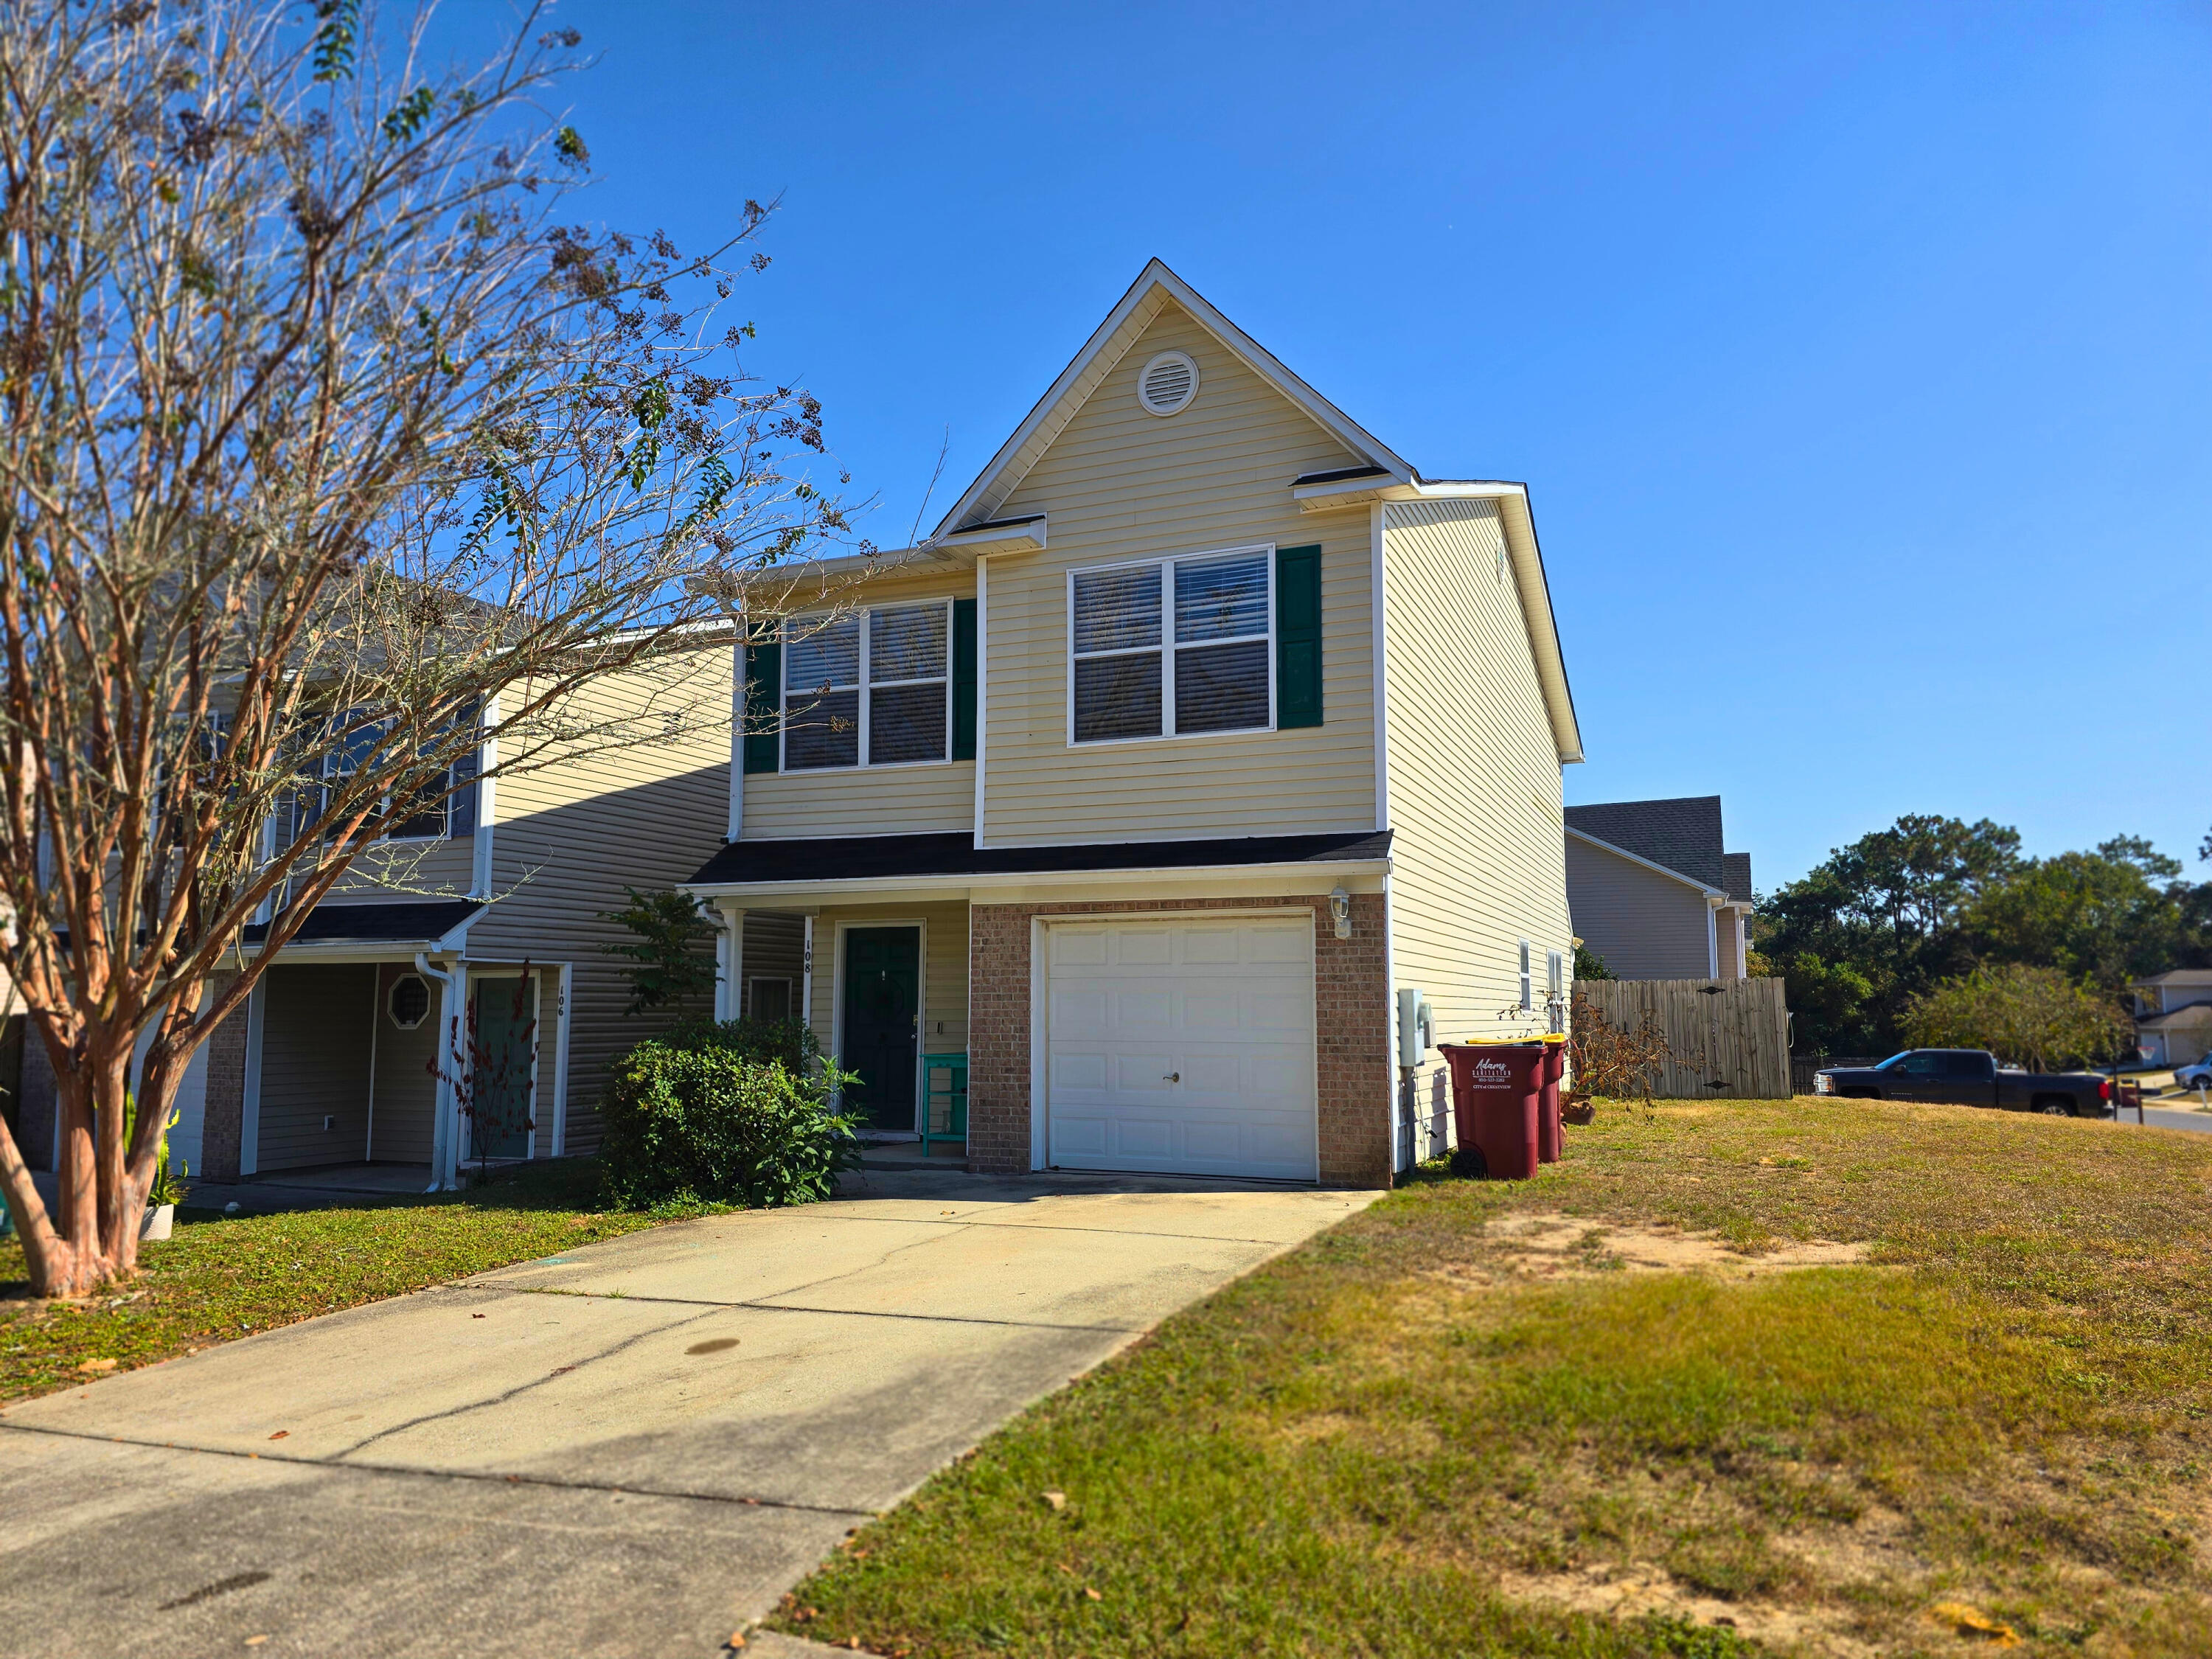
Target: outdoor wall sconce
[(1340, 907)]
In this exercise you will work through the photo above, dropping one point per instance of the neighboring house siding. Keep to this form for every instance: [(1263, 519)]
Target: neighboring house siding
[(409, 869), (1119, 483), (775, 948), (1474, 780), (315, 1038), (867, 801), (568, 837), (406, 1091), (1646, 926)]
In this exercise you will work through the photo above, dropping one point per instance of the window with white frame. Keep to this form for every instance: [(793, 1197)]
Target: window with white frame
[(873, 687), (1527, 990), (360, 747), (1555, 974), (1172, 647)]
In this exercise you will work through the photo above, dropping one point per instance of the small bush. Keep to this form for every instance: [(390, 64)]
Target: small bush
[(738, 1113)]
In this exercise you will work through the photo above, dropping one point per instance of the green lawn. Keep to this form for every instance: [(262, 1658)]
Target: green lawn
[(220, 1277), (1473, 1421)]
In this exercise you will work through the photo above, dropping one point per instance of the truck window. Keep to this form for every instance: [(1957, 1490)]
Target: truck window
[(1923, 1063), (1967, 1064)]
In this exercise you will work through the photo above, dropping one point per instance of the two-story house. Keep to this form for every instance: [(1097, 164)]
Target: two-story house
[(2173, 1016), (1201, 726), (454, 997)]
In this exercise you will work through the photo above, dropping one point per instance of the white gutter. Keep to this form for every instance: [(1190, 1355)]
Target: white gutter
[(443, 1118), (961, 881)]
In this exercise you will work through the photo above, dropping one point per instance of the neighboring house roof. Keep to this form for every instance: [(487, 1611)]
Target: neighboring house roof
[(426, 921), (1378, 473), (1735, 869), (1652, 864), (1683, 835), (2179, 977), (864, 857), (2173, 1016)]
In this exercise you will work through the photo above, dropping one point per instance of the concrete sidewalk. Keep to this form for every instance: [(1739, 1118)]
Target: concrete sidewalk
[(629, 1450)]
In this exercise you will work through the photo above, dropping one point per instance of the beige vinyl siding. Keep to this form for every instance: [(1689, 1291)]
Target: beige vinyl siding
[(1474, 781), (316, 1030), (869, 801), (403, 870), (567, 837), (1119, 483), (944, 968), (406, 1092), (775, 948), (1646, 926)]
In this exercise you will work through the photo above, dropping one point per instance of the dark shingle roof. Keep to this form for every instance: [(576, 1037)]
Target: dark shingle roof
[(857, 857), (1736, 866), (1684, 835), (376, 924)]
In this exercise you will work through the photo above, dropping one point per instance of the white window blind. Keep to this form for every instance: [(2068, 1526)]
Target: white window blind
[(1172, 648), (876, 683)]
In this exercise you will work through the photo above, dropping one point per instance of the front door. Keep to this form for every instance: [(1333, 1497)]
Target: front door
[(882, 984), (500, 1067)]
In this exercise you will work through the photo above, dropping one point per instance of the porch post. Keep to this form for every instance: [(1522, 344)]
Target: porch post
[(807, 975), (730, 964)]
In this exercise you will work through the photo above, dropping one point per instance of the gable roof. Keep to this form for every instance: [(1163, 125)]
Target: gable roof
[(1684, 835), (1378, 473), (1155, 288), (1736, 867), (1713, 895)]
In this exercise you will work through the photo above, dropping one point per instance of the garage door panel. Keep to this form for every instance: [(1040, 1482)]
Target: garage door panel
[(1182, 1048)]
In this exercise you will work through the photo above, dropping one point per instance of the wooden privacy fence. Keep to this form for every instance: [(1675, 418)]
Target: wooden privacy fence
[(1726, 1038)]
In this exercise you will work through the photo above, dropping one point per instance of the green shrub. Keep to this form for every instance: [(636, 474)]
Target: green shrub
[(739, 1113)]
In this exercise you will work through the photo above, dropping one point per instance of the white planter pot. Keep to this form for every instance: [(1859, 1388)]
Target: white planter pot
[(155, 1222)]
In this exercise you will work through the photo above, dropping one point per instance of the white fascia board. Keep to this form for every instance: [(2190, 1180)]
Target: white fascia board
[(343, 951), (1026, 535), (1543, 625), (1348, 492), (1714, 895), (1292, 877), (1105, 347)]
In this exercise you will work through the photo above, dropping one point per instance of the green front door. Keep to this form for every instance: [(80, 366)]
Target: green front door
[(882, 984), (505, 1052)]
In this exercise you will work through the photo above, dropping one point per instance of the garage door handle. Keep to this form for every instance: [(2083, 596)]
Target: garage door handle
[(1172, 1077)]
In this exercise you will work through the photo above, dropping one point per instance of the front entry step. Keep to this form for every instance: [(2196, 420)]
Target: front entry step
[(909, 1155)]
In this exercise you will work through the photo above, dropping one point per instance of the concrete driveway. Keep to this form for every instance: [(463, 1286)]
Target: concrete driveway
[(629, 1450)]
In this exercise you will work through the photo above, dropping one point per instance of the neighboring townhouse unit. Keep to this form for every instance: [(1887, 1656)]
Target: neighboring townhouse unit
[(481, 940), (1652, 892), (2173, 1016), (1201, 725)]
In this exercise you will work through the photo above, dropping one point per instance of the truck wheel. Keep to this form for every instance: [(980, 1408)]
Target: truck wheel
[(2054, 1106)]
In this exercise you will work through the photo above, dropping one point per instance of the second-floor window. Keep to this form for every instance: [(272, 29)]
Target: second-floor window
[(871, 688), (1172, 648)]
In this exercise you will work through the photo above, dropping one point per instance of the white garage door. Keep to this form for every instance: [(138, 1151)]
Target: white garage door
[(1181, 1047)]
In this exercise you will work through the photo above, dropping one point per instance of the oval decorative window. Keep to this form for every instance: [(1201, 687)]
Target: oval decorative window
[(408, 1002), (1166, 384)]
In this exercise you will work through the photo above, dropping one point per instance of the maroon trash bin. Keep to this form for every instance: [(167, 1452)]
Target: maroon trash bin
[(1496, 1102), (1548, 1141)]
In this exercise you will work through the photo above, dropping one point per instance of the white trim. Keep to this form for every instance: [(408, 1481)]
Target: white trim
[(864, 691), (1168, 645), (753, 982), (734, 932), (737, 823), (807, 972), (383, 1001), (1040, 1034), (375, 1024), (249, 1124), (1024, 535), (1712, 942), (1525, 978), (1190, 392), (1378, 600), (1400, 1080), (1713, 895), (724, 975), (1130, 316), (1299, 876), (982, 683), (563, 1008), (920, 926), (480, 859)]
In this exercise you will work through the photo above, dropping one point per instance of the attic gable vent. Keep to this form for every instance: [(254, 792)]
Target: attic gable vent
[(1168, 383)]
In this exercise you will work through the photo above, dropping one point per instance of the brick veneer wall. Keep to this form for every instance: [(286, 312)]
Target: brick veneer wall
[(1352, 1025)]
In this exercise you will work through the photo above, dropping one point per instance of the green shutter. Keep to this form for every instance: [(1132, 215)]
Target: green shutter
[(1297, 636), (763, 697), (964, 679)]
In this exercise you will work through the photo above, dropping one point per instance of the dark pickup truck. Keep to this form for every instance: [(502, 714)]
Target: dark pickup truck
[(1970, 1077)]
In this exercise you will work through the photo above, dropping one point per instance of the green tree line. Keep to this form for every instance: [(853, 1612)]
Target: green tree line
[(1883, 922)]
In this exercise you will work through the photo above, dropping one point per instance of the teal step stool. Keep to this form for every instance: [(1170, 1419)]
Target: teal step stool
[(944, 1098)]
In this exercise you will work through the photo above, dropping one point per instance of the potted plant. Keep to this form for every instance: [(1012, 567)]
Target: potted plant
[(168, 1187)]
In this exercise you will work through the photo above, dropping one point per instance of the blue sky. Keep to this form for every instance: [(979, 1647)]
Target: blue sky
[(1857, 357)]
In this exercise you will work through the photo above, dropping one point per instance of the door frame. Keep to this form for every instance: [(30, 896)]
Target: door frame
[(920, 926), (478, 971), (1040, 1003)]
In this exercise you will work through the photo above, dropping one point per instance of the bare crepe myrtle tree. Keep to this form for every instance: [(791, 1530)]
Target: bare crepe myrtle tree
[(335, 463)]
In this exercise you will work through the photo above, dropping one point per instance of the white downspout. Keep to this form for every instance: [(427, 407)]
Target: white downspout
[(442, 1115)]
